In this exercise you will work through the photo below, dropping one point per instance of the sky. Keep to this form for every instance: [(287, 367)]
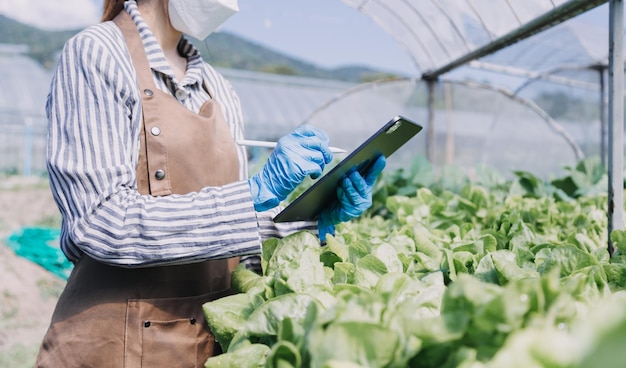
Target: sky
[(327, 33)]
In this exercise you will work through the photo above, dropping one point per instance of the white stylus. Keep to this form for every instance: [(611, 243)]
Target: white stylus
[(247, 142)]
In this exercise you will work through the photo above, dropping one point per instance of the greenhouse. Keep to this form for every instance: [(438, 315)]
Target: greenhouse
[(454, 265), (484, 70), (495, 237)]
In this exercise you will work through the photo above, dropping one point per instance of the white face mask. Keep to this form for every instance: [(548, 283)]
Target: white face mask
[(198, 18)]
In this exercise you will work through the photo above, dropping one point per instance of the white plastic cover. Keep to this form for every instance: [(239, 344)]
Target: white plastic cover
[(437, 32)]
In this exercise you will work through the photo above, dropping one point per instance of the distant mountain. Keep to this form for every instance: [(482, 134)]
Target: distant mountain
[(221, 49), (227, 50), (43, 45)]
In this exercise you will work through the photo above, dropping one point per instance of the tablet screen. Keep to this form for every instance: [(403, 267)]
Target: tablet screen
[(388, 139)]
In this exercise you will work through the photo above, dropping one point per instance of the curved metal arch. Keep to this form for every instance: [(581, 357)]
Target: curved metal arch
[(353, 90), (553, 124), (548, 76)]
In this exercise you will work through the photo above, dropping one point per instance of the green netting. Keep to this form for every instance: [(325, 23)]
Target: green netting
[(40, 245)]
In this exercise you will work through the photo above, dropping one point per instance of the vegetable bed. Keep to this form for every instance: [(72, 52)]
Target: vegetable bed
[(454, 272)]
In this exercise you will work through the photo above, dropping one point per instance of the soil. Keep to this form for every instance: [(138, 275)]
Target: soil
[(28, 292)]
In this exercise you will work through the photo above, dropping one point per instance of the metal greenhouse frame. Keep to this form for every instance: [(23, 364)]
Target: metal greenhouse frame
[(434, 50)]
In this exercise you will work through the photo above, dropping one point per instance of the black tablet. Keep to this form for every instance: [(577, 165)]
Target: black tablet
[(318, 196)]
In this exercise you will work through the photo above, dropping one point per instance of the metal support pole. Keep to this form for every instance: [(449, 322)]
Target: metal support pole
[(447, 95), (431, 122), (603, 124), (616, 118), (27, 168)]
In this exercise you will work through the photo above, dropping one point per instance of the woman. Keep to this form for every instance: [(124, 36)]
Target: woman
[(153, 191)]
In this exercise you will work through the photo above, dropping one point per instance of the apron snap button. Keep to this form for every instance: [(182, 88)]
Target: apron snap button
[(148, 92), (159, 174), (155, 131), (146, 324), (192, 321)]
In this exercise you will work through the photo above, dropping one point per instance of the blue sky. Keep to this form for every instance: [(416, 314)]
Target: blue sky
[(324, 32), (330, 33)]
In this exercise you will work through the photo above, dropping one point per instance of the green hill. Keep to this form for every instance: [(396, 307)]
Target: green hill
[(43, 45), (222, 49)]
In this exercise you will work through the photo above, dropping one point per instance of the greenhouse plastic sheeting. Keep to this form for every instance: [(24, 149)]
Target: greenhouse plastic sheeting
[(473, 125), (24, 84), (437, 32)]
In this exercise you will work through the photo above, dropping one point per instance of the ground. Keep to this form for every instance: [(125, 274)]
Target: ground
[(28, 293)]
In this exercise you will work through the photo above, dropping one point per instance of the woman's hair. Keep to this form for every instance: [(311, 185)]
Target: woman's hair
[(111, 9)]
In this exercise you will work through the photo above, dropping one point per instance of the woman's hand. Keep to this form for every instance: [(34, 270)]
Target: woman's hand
[(301, 153), (354, 196)]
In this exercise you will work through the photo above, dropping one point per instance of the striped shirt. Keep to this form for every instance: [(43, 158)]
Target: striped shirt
[(94, 114)]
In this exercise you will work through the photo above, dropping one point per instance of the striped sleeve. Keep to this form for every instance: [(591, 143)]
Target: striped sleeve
[(94, 120), (269, 229)]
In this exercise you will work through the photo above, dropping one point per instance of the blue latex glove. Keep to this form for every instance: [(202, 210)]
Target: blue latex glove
[(301, 153), (354, 196)]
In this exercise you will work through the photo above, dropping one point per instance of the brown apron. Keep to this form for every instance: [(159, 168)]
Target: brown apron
[(116, 317)]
